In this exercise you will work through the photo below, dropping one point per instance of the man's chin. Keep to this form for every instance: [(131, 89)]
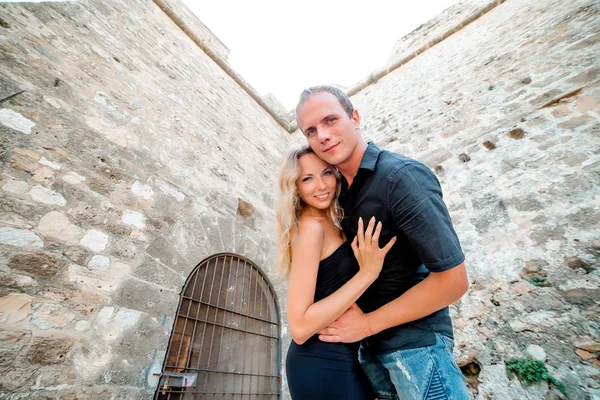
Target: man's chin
[(328, 158)]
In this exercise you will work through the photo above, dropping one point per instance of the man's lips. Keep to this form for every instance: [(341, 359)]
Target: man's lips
[(330, 148)]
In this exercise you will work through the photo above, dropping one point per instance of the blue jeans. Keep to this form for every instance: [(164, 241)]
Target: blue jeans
[(416, 374)]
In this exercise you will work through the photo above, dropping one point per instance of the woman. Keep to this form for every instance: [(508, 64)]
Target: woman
[(324, 278)]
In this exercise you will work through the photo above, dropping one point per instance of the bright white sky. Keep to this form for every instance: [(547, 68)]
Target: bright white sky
[(282, 47)]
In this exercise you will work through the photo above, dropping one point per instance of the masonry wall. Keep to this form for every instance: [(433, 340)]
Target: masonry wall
[(127, 156), (506, 112)]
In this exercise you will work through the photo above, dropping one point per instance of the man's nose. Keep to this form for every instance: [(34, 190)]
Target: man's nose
[(323, 135)]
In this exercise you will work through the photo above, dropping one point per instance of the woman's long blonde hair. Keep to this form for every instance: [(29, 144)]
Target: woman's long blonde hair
[(291, 206)]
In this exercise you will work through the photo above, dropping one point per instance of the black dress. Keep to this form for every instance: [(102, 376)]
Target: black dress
[(319, 370)]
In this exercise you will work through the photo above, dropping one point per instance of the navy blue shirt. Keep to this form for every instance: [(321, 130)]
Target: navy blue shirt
[(407, 198)]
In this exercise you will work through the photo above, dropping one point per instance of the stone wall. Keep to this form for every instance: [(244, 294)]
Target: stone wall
[(506, 112), (127, 156)]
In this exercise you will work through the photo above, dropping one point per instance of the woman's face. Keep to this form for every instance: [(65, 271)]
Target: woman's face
[(317, 182)]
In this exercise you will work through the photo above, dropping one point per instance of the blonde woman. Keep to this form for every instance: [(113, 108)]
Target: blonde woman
[(326, 276)]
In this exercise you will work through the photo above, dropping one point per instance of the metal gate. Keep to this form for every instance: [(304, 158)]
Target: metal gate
[(225, 342)]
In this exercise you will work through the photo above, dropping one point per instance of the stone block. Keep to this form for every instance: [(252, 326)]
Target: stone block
[(57, 225), (226, 231), (20, 238), (8, 87), (15, 307), (15, 379), (576, 122), (53, 377), (146, 297), (13, 342), (165, 251), (49, 350), (38, 264), (15, 281), (239, 238), (582, 297), (213, 234), (154, 271), (98, 280), (49, 316)]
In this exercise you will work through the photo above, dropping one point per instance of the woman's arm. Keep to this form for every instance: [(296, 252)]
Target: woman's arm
[(305, 318)]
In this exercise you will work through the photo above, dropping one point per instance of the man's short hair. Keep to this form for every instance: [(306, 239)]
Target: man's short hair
[(341, 96)]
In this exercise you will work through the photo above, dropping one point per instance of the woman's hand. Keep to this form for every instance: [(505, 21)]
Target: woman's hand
[(366, 247)]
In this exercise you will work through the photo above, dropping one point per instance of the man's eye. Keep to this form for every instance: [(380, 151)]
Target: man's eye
[(330, 120), (310, 133)]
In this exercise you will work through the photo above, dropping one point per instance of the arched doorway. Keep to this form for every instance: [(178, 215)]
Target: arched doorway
[(225, 342)]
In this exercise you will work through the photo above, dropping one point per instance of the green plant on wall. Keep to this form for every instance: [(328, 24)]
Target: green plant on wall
[(536, 280), (531, 371)]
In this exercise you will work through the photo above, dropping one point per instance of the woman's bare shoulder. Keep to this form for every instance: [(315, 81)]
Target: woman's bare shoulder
[(308, 228)]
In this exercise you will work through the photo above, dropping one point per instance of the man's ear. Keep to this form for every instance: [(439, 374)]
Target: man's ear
[(356, 119)]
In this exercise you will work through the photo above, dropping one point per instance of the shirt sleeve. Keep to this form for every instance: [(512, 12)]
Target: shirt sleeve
[(419, 212)]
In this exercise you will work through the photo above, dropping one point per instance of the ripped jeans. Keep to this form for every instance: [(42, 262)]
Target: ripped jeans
[(424, 373)]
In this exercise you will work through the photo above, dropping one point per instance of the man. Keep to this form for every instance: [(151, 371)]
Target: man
[(402, 319)]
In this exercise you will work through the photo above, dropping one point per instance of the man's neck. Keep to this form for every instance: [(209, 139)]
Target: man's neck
[(349, 168)]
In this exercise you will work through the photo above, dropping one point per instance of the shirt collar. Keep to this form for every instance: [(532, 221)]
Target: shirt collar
[(370, 157)]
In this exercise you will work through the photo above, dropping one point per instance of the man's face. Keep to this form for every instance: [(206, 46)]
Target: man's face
[(330, 132)]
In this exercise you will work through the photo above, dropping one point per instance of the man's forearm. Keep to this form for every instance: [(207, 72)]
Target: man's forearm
[(435, 292)]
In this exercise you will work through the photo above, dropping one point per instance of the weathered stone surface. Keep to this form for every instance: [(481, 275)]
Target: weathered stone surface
[(13, 220), (38, 264), (20, 238), (495, 384), (577, 122), (134, 294), (99, 279), (582, 297), (15, 281), (47, 196), (141, 190), (134, 218), (49, 163), (152, 270), (15, 379), (49, 350), (55, 377), (13, 341), (8, 87), (51, 316), (57, 225), (15, 307), (537, 352), (73, 178), (100, 263), (166, 251), (15, 121), (15, 187), (589, 345), (94, 240), (577, 263), (44, 174), (585, 355), (23, 163), (516, 133)]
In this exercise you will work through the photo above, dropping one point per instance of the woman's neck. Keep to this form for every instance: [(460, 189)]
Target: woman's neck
[(316, 212)]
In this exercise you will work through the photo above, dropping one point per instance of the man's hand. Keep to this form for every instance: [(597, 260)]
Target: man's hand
[(350, 327)]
